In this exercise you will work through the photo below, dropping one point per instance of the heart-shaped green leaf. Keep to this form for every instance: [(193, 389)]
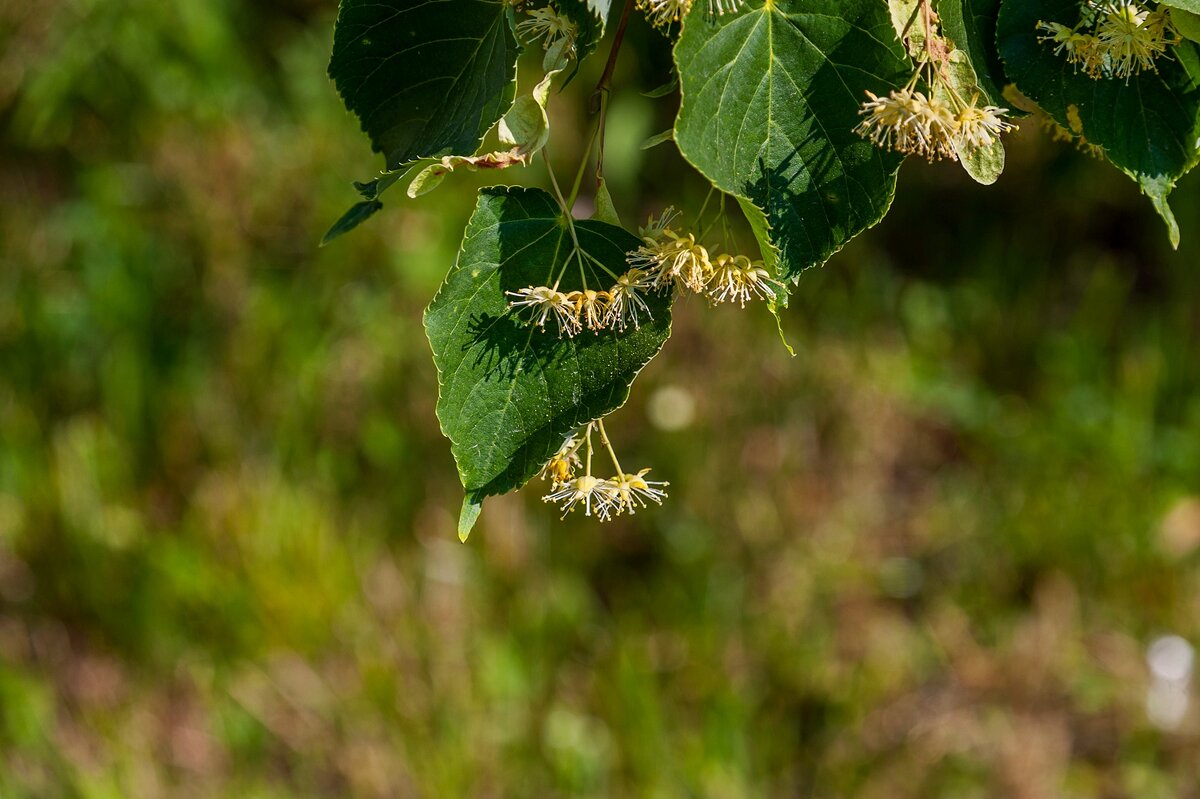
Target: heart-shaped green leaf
[(771, 97), (511, 392), (424, 78)]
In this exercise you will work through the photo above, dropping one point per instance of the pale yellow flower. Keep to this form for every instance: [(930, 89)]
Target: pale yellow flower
[(891, 121), (591, 308), (626, 302), (543, 303), (664, 13), (720, 7), (654, 229), (591, 492), (982, 127), (1113, 39), (628, 492), (549, 26), (908, 121), (1131, 41), (560, 469), (671, 260), (737, 278)]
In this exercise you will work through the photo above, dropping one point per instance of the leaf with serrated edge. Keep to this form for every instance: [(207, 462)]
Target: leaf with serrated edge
[(771, 97), (524, 130), (1148, 126), (510, 393), (425, 77)]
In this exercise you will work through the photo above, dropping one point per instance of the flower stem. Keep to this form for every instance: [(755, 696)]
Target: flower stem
[(604, 86), (587, 151), (608, 445), (588, 437), (566, 209)]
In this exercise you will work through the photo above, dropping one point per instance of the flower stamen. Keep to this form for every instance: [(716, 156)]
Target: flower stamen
[(543, 303)]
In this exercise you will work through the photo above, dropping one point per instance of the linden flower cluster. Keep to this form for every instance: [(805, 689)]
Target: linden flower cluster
[(1113, 39), (616, 308), (663, 13), (913, 122), (674, 261), (607, 498), (937, 122)]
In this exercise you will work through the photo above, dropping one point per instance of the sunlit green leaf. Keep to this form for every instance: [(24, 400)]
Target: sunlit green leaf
[(606, 211), (771, 96), (510, 392)]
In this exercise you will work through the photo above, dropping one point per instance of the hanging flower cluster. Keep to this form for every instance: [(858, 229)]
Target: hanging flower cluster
[(928, 116), (675, 261), (605, 498), (913, 122), (664, 13), (1113, 39), (615, 308), (666, 261)]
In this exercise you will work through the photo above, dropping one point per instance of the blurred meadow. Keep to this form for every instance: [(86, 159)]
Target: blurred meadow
[(951, 549)]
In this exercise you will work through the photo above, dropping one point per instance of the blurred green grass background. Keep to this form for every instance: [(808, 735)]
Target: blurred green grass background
[(925, 558)]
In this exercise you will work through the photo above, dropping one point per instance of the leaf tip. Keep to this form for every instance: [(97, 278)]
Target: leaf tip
[(357, 214), (469, 514), (1158, 192)]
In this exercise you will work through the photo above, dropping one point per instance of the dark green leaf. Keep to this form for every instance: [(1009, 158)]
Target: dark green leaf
[(771, 97), (372, 189), (1148, 126), (509, 392), (357, 214), (362, 211), (425, 77)]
